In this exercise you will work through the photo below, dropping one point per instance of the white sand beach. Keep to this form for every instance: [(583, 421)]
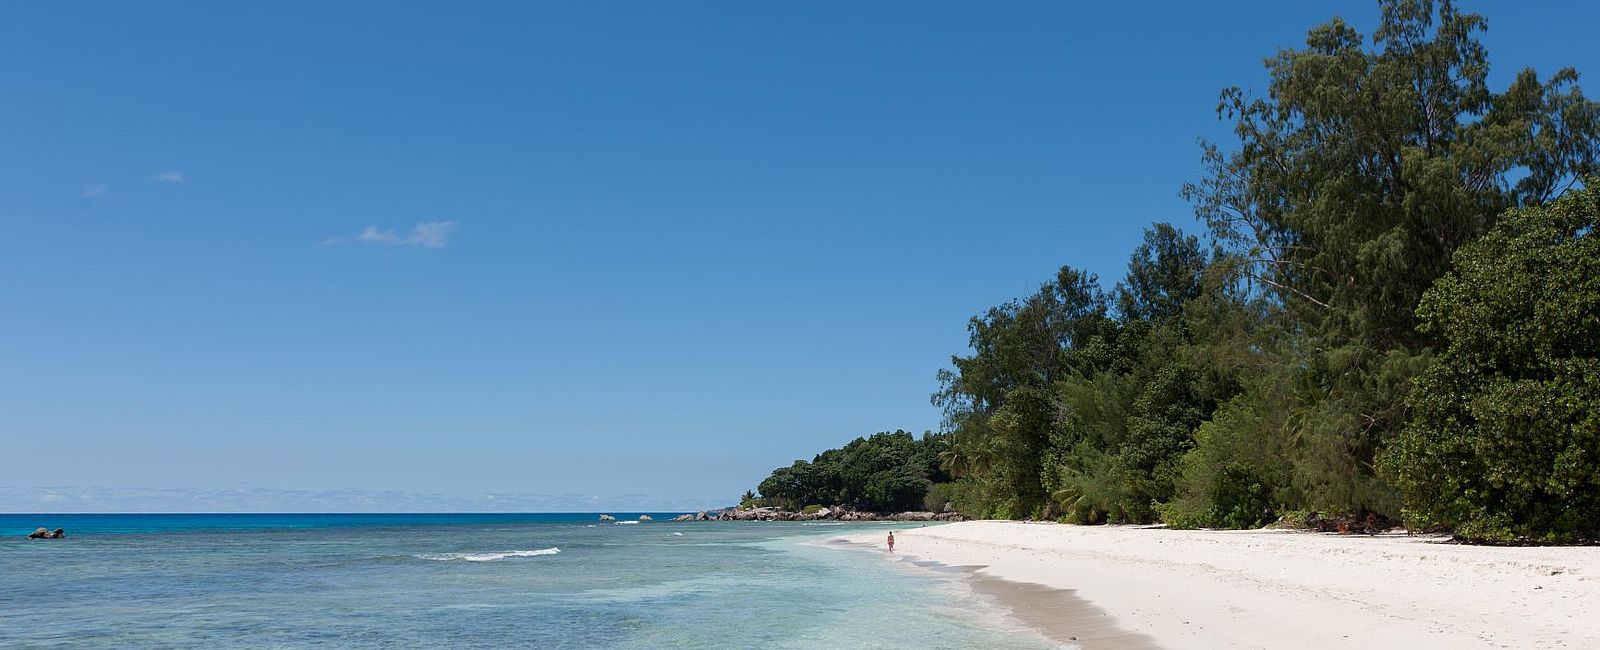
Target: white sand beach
[(1271, 589)]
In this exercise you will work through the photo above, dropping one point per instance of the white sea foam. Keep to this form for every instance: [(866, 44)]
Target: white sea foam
[(488, 557), (627, 523), (677, 534)]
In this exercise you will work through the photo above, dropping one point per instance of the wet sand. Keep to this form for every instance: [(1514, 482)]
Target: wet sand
[(1061, 615), (1058, 614)]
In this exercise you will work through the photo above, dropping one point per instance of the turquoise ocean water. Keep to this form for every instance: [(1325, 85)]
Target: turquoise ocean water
[(473, 581)]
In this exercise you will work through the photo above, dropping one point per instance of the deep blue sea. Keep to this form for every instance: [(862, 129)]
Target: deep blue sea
[(473, 581)]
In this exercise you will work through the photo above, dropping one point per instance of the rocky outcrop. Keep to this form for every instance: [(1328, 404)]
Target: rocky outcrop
[(683, 518), (607, 518), (755, 514), (45, 533), (646, 518)]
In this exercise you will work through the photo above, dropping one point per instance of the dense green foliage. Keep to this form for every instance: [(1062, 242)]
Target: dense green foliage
[(1283, 365), (1268, 374), (1355, 180), (1081, 404), (884, 472), (1505, 440)]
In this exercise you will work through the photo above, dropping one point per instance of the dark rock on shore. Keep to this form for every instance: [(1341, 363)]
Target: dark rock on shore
[(917, 516), (1351, 523), (45, 533)]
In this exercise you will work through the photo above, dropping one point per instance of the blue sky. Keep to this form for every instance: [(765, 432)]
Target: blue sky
[(568, 256)]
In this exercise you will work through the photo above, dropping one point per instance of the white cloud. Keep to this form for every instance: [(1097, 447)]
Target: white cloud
[(432, 234), (427, 234), (172, 177), (375, 236), (94, 190)]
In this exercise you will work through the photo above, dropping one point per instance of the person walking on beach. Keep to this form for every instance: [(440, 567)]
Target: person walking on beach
[(891, 541)]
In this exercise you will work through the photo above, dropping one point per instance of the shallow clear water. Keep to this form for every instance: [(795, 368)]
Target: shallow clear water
[(485, 581)]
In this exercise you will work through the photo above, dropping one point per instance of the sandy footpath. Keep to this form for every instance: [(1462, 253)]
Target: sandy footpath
[(1281, 589)]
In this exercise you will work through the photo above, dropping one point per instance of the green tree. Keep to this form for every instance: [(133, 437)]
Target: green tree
[(1128, 422), (888, 471), (1165, 271), (1271, 371), (999, 403), (1356, 177), (1504, 443)]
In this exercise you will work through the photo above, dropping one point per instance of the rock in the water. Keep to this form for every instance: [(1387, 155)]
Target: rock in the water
[(607, 518), (701, 517), (646, 518), (683, 518), (45, 533), (757, 514)]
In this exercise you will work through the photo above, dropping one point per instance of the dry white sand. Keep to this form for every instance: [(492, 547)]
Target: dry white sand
[(1282, 589)]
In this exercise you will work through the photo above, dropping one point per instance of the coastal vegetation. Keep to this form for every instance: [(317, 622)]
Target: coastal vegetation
[(890, 471), (1393, 313), (1505, 434)]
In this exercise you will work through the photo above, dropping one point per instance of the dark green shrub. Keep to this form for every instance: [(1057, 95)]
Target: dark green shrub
[(1504, 441), (941, 497)]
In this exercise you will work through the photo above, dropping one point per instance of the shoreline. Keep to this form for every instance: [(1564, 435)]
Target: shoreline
[(1158, 588)]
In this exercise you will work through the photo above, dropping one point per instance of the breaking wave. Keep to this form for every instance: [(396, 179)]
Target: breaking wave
[(488, 557)]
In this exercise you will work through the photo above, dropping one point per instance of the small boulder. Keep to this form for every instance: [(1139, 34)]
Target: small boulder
[(607, 518), (646, 518), (45, 533), (701, 516), (683, 518)]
